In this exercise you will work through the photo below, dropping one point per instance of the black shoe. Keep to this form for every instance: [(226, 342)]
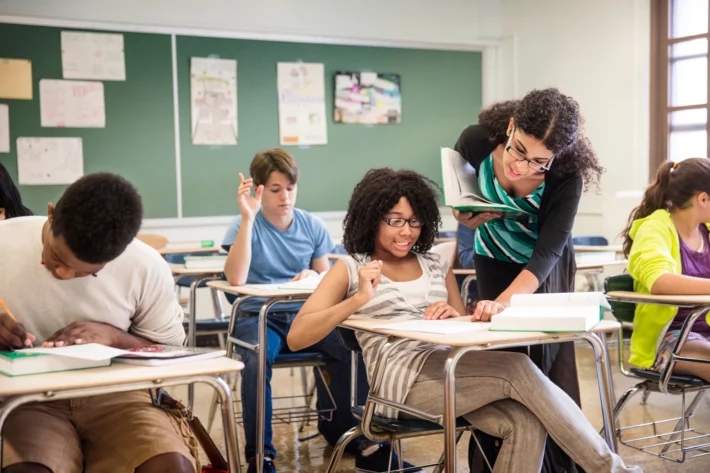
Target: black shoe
[(268, 466), (379, 461)]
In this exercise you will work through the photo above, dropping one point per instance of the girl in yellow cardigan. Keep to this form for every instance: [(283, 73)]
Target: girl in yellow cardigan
[(666, 243)]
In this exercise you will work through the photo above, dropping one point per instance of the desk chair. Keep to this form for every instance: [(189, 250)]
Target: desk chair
[(383, 429), (590, 240), (155, 241), (305, 413), (682, 440)]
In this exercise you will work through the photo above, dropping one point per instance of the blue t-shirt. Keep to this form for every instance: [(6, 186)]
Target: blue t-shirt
[(277, 256)]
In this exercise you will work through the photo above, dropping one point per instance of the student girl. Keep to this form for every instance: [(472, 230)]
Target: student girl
[(389, 229), (530, 154), (666, 243)]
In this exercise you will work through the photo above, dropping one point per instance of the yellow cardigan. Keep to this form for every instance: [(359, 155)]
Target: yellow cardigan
[(655, 252)]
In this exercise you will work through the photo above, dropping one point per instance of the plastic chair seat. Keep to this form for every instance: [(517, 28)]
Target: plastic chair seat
[(675, 379), (300, 357), (403, 425)]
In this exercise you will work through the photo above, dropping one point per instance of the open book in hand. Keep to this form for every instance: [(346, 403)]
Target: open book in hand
[(558, 312), (461, 190)]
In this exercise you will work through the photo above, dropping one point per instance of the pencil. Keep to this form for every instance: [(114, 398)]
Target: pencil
[(7, 309)]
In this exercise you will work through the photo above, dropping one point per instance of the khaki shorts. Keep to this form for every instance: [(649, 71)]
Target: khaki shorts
[(113, 433)]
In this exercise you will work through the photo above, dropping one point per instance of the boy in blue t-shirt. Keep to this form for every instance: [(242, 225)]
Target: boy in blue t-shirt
[(274, 242)]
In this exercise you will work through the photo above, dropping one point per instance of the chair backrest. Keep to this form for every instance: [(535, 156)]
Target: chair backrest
[(339, 250), (623, 311), (447, 251), (448, 234), (153, 240), (591, 240)]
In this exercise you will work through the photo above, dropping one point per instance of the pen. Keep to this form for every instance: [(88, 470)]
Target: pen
[(7, 309)]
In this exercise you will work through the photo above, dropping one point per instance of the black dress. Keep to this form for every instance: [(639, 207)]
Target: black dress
[(552, 263)]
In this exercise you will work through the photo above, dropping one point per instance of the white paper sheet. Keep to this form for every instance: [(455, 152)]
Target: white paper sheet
[(301, 88), (72, 104), (4, 128), (213, 92), (437, 326), (46, 161), (93, 56), (89, 351)]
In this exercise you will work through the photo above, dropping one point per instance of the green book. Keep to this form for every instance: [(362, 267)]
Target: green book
[(205, 262), (461, 190), (19, 363)]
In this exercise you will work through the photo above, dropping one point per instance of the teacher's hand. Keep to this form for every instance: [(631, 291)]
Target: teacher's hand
[(474, 221)]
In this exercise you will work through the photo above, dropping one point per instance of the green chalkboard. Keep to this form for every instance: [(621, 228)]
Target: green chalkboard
[(441, 94)]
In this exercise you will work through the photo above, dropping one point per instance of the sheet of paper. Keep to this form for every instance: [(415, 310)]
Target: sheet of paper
[(89, 351), (301, 88), (72, 104), (444, 327), (4, 128), (46, 161), (15, 79), (213, 98), (93, 56)]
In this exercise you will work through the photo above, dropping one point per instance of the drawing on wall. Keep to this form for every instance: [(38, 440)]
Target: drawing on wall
[(72, 104), (213, 92), (49, 161), (368, 97), (4, 128), (16, 79), (301, 88), (96, 56)]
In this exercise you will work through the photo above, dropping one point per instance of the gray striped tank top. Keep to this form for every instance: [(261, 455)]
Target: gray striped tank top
[(403, 366)]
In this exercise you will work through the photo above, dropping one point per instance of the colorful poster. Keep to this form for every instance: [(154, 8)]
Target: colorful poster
[(4, 128), (96, 56), (72, 104), (367, 97), (213, 92), (16, 79), (301, 88), (49, 161)]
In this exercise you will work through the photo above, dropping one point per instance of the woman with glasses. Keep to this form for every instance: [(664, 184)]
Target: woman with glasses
[(530, 154)]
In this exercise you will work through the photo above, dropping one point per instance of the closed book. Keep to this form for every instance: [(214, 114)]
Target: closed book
[(18, 363), (159, 355), (205, 262)]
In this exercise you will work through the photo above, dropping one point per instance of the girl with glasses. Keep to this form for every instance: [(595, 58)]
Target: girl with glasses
[(530, 154)]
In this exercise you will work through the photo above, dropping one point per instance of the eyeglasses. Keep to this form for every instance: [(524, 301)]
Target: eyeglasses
[(537, 167), (399, 222)]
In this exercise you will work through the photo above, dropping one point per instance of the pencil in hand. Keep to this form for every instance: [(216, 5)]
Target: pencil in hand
[(12, 333)]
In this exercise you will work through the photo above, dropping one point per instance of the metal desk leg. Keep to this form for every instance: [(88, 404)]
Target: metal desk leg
[(261, 386), (450, 409), (228, 423), (601, 357), (192, 327)]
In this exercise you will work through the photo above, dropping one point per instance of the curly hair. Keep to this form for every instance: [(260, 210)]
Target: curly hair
[(376, 194), (10, 199), (98, 216), (554, 119)]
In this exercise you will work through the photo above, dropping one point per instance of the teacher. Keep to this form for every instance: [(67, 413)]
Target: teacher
[(530, 154)]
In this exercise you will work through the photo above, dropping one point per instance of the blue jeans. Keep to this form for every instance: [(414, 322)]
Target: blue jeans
[(337, 371)]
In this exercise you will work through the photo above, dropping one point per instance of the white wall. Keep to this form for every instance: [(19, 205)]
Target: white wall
[(597, 52)]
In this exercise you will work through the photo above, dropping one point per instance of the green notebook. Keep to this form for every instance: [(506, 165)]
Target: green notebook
[(17, 363)]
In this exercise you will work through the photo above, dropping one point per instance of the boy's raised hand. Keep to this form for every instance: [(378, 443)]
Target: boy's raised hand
[(248, 204)]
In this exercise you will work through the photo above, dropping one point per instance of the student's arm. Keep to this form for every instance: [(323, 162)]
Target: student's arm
[(236, 268), (669, 284), (325, 309), (320, 265), (465, 237), (453, 307)]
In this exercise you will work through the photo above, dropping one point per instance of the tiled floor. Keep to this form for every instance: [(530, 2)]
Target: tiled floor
[(312, 456)]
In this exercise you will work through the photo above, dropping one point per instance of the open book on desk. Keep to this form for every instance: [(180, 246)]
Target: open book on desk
[(461, 190), (557, 312)]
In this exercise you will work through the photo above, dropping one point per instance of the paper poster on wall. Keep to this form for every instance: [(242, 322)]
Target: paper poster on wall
[(93, 56), (213, 92), (301, 88), (16, 79), (49, 161), (367, 97), (4, 128), (72, 104)]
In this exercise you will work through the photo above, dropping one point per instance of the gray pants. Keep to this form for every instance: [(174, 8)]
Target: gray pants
[(506, 395)]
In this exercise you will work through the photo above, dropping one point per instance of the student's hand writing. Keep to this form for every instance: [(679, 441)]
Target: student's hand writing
[(248, 204), (440, 310), (79, 333), (368, 277), (13, 334), (485, 310), (306, 273), (475, 221)]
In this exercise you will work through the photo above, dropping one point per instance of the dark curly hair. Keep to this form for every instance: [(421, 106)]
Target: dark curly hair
[(376, 194), (554, 119), (10, 199), (98, 216)]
